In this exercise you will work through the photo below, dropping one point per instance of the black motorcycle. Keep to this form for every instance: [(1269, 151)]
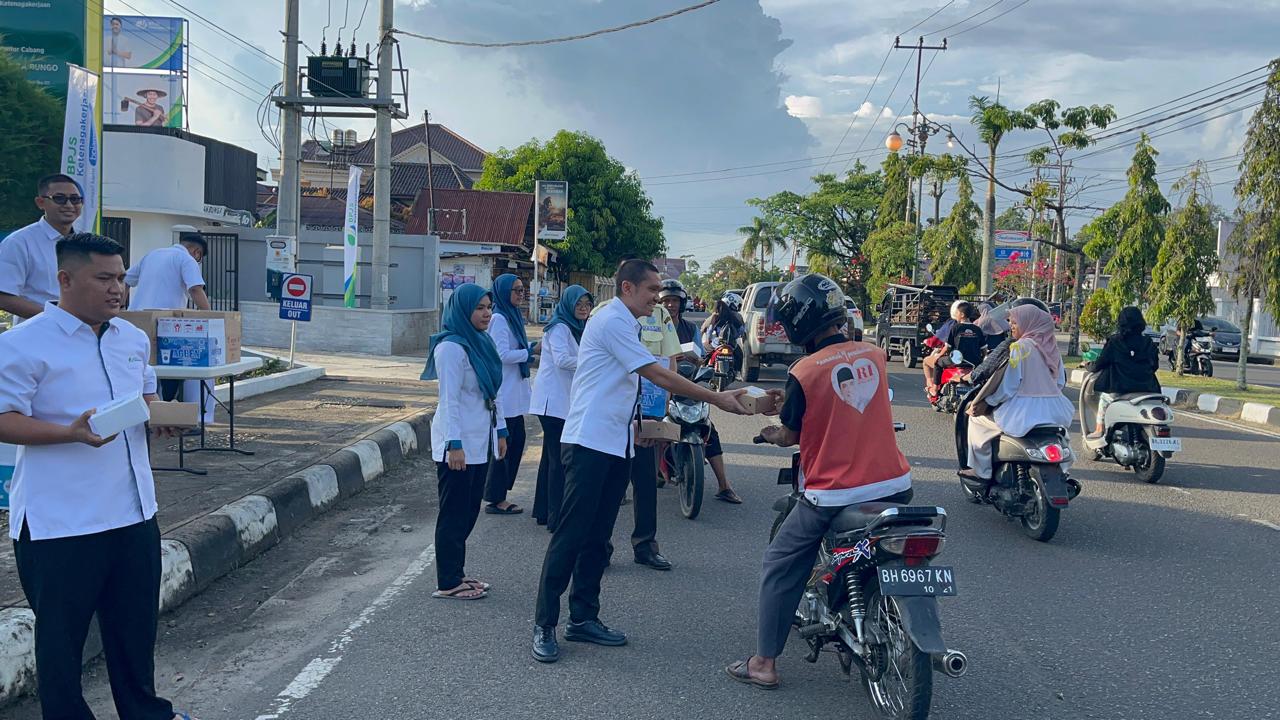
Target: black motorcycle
[(1198, 358), (688, 455), (1028, 482), (872, 598)]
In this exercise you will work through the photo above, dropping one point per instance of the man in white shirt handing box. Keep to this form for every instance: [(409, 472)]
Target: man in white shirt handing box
[(597, 448), (82, 507)]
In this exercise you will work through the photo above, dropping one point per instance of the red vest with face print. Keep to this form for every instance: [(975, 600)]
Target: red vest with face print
[(848, 452)]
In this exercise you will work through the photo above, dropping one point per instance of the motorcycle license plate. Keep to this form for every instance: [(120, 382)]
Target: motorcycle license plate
[(929, 580), (1166, 444)]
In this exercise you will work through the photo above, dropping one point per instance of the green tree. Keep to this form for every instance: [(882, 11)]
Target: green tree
[(993, 121), (1098, 317), (30, 142), (1256, 241), (1013, 218), (1187, 257), (953, 245), (610, 216), (1142, 216), (760, 239), (890, 254), (730, 272), (895, 197)]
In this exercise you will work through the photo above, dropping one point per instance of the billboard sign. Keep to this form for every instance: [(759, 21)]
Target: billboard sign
[(143, 43), (1013, 238), (552, 209), (45, 37), (144, 99)]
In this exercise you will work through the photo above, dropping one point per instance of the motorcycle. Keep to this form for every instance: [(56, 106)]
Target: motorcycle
[(955, 385), (872, 597), (1136, 430), (1028, 482), (688, 455), (1199, 356), (723, 362)]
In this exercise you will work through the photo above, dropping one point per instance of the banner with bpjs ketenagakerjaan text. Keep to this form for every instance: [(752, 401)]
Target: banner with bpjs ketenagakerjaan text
[(80, 147), (350, 238)]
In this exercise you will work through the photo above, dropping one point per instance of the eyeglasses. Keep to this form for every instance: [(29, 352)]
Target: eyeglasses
[(61, 199)]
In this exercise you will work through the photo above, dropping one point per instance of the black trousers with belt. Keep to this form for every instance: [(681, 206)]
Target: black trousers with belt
[(460, 497), (644, 484), (502, 473), (593, 488), (115, 574), (548, 494)]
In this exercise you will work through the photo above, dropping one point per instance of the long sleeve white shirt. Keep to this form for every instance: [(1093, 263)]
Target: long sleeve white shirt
[(54, 367), (554, 379), (461, 413), (515, 389)]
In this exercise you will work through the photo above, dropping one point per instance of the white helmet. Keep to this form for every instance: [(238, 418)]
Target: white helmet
[(733, 301)]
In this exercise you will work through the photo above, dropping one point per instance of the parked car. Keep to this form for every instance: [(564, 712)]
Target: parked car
[(1226, 336), (856, 325), (765, 342)]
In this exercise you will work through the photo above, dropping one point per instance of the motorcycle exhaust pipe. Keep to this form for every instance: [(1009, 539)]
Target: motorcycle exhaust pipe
[(951, 663)]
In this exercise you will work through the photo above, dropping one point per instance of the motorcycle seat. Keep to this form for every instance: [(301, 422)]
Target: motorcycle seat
[(1136, 398), (857, 517)]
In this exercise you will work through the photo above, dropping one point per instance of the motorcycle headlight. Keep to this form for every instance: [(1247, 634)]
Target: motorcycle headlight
[(690, 413)]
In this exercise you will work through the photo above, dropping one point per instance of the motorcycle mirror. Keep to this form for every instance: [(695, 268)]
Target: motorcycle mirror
[(890, 394), (929, 327), (957, 357)]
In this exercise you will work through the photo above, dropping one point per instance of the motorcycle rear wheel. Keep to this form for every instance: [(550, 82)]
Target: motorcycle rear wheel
[(1042, 523), (905, 689), (1153, 470), (691, 466)]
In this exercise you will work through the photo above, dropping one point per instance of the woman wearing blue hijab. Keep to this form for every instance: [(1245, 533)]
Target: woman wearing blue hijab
[(507, 331), (467, 431), (550, 402)]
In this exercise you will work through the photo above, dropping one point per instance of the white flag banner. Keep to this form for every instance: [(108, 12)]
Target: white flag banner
[(81, 157), (350, 235)]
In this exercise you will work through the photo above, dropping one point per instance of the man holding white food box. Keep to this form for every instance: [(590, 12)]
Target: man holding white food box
[(74, 385)]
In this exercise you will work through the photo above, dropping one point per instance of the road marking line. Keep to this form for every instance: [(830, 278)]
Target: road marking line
[(315, 672), (1271, 525), (1178, 489), (1226, 423)]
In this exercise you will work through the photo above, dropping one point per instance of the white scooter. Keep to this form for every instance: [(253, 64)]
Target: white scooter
[(1136, 430)]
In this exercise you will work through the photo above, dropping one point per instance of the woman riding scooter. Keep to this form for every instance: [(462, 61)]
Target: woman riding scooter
[(1128, 364)]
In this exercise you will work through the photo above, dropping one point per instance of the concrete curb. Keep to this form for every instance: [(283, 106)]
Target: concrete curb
[(254, 387), (1183, 399), (198, 553)]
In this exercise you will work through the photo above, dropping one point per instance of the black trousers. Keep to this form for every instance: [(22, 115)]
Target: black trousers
[(644, 483), (548, 494), (460, 496), (502, 473), (115, 574), (593, 488)]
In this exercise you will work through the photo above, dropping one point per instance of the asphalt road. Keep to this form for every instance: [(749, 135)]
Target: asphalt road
[(1152, 602)]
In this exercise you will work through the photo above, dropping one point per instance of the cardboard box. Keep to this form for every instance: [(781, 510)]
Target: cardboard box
[(148, 320), (118, 416), (8, 459), (757, 401), (191, 342), (175, 414), (659, 430)]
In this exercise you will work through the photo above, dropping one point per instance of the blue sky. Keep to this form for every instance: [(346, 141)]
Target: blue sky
[(727, 103)]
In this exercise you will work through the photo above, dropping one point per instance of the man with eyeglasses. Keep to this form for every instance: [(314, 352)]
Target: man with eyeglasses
[(28, 257)]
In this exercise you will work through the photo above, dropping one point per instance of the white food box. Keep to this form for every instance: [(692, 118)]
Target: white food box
[(119, 415), (689, 348), (757, 400)]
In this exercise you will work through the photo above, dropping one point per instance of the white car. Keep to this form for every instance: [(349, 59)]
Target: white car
[(855, 326)]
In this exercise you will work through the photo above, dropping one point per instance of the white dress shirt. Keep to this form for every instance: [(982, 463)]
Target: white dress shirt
[(163, 279), (461, 414), (554, 378), (602, 402), (29, 262), (54, 368), (515, 389)]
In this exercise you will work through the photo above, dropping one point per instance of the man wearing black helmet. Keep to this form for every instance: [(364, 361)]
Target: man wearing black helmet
[(836, 407)]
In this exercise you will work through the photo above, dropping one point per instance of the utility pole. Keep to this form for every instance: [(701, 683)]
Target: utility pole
[(920, 132), (431, 185), (291, 129), (1035, 221), (382, 165)]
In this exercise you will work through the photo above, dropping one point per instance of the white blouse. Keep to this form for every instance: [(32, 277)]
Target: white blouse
[(554, 378), (1017, 413), (515, 389), (460, 413)]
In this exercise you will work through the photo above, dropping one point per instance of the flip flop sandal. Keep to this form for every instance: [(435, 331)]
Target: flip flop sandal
[(508, 510), (741, 672), (729, 496), (477, 584), (460, 593)]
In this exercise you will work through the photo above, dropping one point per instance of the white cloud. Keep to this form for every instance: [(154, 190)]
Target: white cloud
[(804, 106)]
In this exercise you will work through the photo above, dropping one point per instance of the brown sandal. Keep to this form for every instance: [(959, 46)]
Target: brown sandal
[(741, 671), (462, 592)]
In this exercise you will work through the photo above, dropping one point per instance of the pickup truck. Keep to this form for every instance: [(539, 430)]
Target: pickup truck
[(905, 314), (765, 342)]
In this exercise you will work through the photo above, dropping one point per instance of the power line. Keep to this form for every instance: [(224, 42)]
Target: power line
[(965, 20), (989, 20), (931, 16), (876, 121), (569, 38), (870, 87)]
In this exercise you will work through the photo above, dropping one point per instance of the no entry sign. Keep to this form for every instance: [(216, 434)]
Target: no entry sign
[(295, 298)]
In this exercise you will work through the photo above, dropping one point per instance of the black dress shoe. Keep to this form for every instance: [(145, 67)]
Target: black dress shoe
[(545, 647), (654, 560), (593, 631)]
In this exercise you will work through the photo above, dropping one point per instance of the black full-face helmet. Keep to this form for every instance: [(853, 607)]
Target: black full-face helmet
[(808, 305)]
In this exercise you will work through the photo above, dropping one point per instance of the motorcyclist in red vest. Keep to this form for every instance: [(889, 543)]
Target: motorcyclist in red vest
[(836, 407)]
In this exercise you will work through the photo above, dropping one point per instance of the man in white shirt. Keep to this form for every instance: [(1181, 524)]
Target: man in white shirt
[(28, 262), (82, 513), (164, 280), (597, 448)]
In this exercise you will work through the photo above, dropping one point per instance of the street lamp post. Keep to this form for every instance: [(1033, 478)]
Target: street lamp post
[(918, 134)]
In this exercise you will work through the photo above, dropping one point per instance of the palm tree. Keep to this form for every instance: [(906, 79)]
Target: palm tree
[(993, 121), (761, 238)]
